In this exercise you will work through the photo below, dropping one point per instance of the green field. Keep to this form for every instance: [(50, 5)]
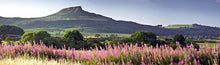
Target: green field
[(179, 26), (210, 44)]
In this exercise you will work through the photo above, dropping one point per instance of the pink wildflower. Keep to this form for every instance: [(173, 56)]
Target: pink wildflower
[(142, 63), (207, 45), (195, 62), (171, 59)]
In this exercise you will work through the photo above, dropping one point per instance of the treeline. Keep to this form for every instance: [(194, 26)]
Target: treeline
[(8, 29), (149, 38), (74, 39)]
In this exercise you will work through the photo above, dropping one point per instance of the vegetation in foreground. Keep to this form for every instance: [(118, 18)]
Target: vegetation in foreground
[(153, 52), (116, 55), (24, 60)]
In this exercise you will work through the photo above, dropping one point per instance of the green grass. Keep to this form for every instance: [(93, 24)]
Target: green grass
[(22, 60), (6, 42), (210, 44)]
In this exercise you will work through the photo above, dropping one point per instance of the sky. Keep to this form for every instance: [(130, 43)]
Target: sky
[(148, 12)]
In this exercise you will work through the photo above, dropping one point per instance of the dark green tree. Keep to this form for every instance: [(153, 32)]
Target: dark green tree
[(143, 36), (123, 40), (51, 41), (0, 41), (188, 40), (8, 29), (92, 43), (72, 36), (40, 35), (74, 39), (179, 38)]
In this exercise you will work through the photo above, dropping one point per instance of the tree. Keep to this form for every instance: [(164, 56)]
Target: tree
[(179, 38), (51, 41), (36, 36), (123, 40), (71, 36), (143, 36), (73, 39), (188, 40), (10, 39), (40, 35), (93, 42), (0, 41), (27, 37), (8, 29)]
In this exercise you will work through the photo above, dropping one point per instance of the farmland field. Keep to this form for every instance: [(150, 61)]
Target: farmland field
[(210, 44)]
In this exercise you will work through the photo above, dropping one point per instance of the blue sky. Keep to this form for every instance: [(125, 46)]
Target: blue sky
[(149, 12)]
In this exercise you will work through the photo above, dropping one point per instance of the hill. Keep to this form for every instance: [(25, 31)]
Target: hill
[(75, 13), (196, 30), (77, 18)]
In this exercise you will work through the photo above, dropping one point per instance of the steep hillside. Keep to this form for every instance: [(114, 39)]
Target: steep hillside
[(75, 13)]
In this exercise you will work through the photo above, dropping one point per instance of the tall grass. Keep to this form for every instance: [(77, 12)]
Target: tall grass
[(123, 54), (33, 61)]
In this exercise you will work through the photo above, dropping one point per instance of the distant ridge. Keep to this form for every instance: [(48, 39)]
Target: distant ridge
[(76, 17)]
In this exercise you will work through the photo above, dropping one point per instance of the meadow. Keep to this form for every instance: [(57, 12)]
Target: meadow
[(122, 54)]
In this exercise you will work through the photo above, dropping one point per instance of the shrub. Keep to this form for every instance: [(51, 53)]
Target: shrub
[(143, 36), (51, 41), (72, 36), (179, 38), (10, 39), (27, 37), (40, 35), (36, 36)]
